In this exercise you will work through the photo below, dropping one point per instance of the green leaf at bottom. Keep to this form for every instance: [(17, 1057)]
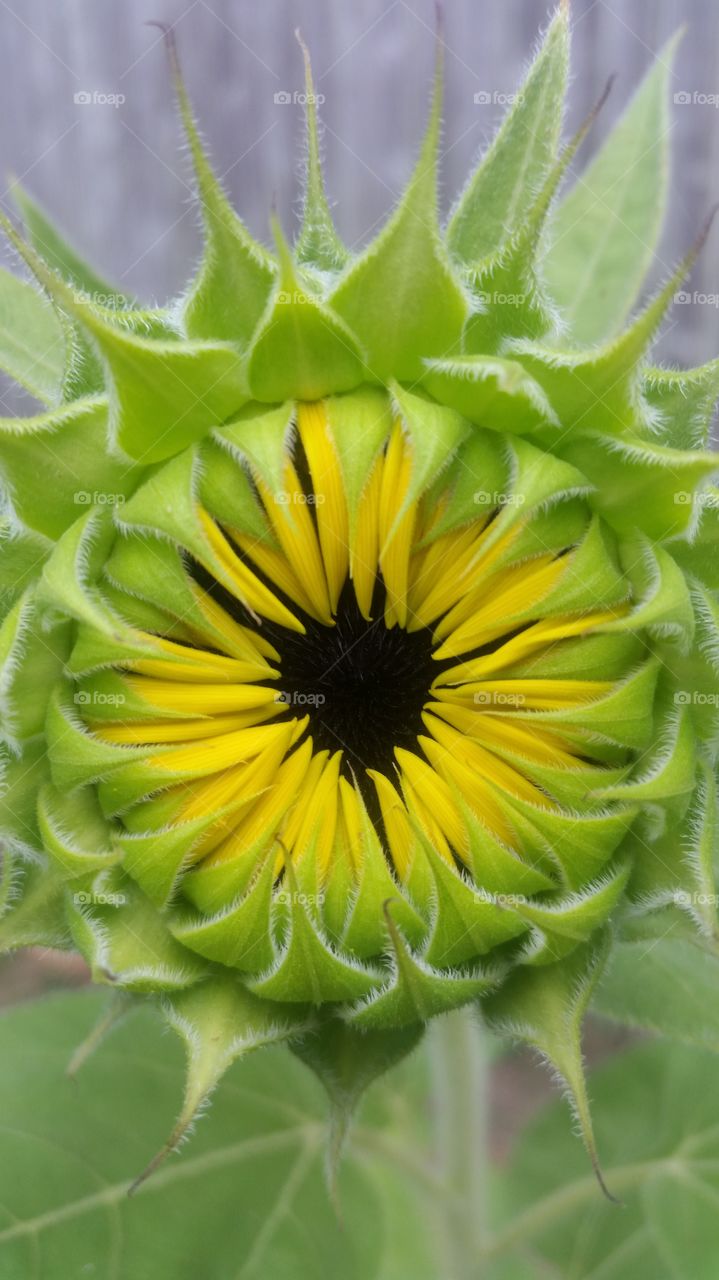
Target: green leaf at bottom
[(657, 1120), (669, 985), (245, 1201)]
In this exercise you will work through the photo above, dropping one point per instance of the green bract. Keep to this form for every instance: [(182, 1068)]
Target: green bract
[(361, 633)]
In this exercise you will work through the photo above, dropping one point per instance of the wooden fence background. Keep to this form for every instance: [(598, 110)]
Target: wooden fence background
[(117, 181)]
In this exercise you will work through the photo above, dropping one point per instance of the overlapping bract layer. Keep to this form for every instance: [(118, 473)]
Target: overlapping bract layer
[(413, 422)]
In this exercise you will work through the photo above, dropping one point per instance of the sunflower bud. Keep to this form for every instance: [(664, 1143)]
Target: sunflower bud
[(360, 635)]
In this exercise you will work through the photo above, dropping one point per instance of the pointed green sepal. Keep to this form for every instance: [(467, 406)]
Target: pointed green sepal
[(400, 296), (318, 244), (239, 936), (641, 484), (35, 347), (125, 940), (306, 968), (166, 393), (77, 837), (302, 348), (347, 1062), (603, 235), (414, 991), (22, 556), (495, 200), (682, 403), (33, 911), (545, 1009), (54, 248), (219, 1022), (236, 276), (493, 392), (599, 389), (59, 463), (31, 662)]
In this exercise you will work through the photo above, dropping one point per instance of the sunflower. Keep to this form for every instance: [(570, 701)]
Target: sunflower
[(374, 682), (349, 623)]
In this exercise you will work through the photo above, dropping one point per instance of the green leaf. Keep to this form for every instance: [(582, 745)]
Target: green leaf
[(657, 1123), (32, 343), (246, 1199), (603, 235), (494, 202), (669, 986), (53, 247)]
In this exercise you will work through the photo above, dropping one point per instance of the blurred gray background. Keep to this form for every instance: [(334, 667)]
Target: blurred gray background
[(116, 179)]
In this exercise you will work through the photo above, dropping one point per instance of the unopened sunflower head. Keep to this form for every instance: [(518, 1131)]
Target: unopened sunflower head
[(361, 620)]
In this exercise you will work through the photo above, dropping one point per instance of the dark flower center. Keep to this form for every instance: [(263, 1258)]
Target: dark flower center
[(362, 685)]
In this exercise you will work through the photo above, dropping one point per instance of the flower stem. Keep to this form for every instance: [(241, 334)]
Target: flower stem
[(459, 1093)]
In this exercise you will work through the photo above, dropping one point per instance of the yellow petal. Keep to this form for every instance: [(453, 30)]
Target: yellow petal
[(293, 525), (148, 731), (274, 565), (398, 829), (328, 486), (487, 612), (266, 817), (364, 555), (396, 534), (201, 699), (243, 583), (539, 636), (485, 763), (241, 642), (433, 803)]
